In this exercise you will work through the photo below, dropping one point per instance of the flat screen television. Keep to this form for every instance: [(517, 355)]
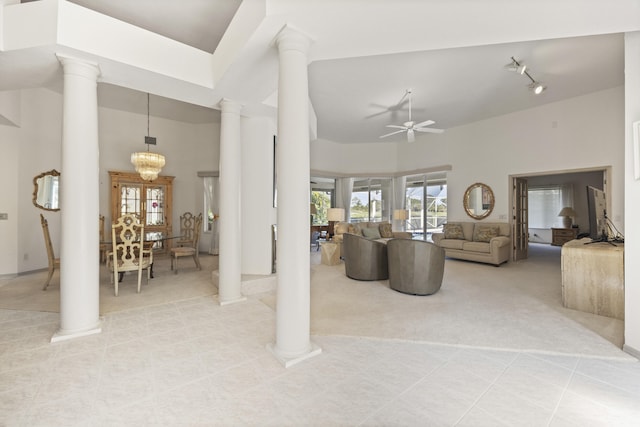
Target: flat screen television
[(597, 206)]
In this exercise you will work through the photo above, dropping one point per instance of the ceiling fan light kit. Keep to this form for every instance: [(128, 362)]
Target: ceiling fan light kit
[(411, 127), (519, 67)]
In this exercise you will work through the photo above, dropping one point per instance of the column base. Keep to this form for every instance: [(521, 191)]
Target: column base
[(64, 336), (288, 362), (231, 301)]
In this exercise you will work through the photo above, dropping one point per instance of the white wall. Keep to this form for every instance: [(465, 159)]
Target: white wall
[(35, 146), (632, 196), (582, 132), (353, 159), (10, 149), (258, 213), (40, 136), (188, 148)]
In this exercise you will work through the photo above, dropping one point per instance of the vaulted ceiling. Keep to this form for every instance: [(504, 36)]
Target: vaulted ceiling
[(355, 96)]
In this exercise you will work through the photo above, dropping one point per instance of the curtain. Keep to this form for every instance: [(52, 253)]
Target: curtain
[(344, 188), (566, 191), (399, 189), (211, 200)]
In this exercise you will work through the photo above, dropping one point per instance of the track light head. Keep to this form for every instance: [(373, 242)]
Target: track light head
[(537, 87), (521, 69)]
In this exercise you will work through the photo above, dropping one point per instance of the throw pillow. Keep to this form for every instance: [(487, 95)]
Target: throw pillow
[(341, 228), (484, 233), (371, 232), (453, 231), (385, 230)]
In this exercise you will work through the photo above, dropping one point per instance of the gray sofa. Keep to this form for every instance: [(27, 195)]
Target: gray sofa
[(488, 242)]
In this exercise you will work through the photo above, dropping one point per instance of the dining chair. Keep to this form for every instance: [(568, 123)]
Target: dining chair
[(53, 261), (187, 229), (104, 247), (127, 240), (192, 249)]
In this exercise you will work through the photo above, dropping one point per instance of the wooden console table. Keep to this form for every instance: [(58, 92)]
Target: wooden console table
[(593, 277), (560, 236)]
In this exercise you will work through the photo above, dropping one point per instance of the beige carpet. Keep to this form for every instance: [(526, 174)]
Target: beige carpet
[(25, 292), (516, 306)]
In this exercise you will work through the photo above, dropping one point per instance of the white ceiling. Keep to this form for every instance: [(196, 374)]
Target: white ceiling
[(354, 98)]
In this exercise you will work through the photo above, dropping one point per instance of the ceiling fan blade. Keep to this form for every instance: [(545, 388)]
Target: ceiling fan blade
[(392, 133), (425, 123), (411, 136), (397, 127), (430, 130)]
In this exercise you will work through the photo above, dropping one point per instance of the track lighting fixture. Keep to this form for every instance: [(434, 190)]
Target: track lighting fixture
[(521, 68)]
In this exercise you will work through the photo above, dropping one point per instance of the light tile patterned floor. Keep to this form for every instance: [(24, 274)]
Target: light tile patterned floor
[(195, 362)]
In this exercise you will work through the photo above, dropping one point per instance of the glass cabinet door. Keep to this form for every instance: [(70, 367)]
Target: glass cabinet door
[(150, 201)]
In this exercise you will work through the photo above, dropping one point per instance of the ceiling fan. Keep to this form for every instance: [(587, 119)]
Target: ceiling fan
[(411, 127)]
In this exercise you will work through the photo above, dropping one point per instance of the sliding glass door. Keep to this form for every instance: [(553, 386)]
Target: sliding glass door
[(426, 200)]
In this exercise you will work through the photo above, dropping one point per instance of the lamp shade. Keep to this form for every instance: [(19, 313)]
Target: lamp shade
[(312, 209), (567, 211), (401, 214), (335, 214)]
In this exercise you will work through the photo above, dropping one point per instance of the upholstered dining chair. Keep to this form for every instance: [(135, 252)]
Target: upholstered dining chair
[(54, 263), (127, 240), (416, 267), (192, 249)]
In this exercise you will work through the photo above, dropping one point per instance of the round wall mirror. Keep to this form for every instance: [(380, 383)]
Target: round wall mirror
[(45, 190), (478, 200)]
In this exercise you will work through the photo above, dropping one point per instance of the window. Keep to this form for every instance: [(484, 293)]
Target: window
[(369, 200), (426, 218), (323, 197), (322, 200), (544, 204)]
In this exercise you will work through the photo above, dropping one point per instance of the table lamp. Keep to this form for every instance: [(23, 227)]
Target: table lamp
[(334, 215), (401, 215), (567, 213)]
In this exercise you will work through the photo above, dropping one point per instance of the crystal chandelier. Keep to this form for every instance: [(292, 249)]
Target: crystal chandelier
[(148, 164)]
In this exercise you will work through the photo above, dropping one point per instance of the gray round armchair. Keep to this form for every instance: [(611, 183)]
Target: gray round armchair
[(364, 259), (416, 267)]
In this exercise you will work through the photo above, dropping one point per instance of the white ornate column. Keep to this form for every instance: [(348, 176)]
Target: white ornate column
[(230, 257), (79, 202), (292, 158)]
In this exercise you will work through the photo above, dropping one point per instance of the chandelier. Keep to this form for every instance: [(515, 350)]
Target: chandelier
[(148, 164)]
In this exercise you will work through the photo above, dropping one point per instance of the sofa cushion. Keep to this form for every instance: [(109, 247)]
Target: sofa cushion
[(452, 243), (453, 231), (385, 230), (371, 232), (482, 247), (484, 233)]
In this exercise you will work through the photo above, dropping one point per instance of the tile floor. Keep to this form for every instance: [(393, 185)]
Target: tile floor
[(194, 362)]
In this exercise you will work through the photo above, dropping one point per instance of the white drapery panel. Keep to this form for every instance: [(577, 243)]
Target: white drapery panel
[(344, 188), (399, 188), (211, 200)]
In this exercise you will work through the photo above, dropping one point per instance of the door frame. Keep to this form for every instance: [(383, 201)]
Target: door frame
[(606, 173)]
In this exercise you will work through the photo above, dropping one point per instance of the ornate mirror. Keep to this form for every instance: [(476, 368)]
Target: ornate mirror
[(478, 200), (45, 190)]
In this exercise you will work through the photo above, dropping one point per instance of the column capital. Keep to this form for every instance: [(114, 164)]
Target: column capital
[(290, 38), (80, 67), (229, 106)]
